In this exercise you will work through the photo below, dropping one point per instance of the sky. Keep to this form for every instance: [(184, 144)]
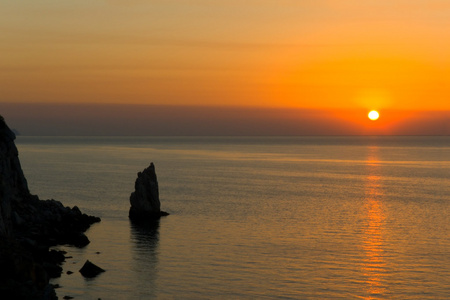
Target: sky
[(266, 67)]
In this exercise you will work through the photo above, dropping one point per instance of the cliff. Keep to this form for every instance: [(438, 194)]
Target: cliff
[(13, 185), (28, 227)]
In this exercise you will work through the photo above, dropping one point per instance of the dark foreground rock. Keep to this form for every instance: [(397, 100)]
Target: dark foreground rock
[(29, 227), (90, 270), (145, 204)]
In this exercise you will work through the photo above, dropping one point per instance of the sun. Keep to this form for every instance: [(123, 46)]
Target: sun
[(374, 115)]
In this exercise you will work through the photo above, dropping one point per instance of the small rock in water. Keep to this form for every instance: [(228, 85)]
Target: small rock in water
[(90, 270), (69, 272)]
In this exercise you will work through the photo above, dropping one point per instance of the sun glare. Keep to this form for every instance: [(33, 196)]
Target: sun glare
[(374, 115)]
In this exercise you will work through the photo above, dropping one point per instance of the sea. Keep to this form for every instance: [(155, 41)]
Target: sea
[(254, 217)]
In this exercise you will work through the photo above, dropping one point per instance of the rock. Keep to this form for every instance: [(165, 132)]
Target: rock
[(55, 256), (49, 292), (53, 270), (15, 131), (51, 223), (21, 275), (77, 239), (28, 227), (17, 219), (145, 204), (90, 270)]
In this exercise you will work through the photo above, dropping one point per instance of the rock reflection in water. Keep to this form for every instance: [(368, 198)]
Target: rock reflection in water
[(145, 242)]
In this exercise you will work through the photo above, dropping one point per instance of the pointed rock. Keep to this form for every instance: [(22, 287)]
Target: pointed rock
[(145, 204), (90, 270)]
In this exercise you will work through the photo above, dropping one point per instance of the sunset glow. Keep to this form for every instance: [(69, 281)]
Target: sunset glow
[(325, 56), (302, 149)]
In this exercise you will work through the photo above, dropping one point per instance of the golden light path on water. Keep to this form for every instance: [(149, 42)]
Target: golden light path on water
[(373, 242)]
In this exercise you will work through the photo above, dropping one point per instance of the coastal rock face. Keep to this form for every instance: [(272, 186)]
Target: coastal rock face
[(145, 204), (49, 223), (28, 227), (13, 185)]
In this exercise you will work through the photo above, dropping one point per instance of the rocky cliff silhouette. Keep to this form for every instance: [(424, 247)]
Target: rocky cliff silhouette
[(29, 227)]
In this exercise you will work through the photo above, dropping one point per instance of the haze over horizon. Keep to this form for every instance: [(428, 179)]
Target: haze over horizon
[(161, 120), (225, 67)]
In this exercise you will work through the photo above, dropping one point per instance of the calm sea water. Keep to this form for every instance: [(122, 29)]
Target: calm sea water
[(255, 218)]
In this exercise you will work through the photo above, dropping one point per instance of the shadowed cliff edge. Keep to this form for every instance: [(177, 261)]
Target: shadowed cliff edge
[(29, 227)]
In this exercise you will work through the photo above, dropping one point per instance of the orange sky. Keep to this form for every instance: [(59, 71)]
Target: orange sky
[(322, 55)]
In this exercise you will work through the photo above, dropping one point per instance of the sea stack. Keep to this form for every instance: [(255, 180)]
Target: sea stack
[(145, 204)]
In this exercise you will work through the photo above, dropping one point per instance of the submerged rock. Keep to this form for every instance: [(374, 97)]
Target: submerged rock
[(90, 270), (145, 204)]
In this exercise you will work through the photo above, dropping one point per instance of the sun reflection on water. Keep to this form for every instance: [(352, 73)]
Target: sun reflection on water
[(373, 244)]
